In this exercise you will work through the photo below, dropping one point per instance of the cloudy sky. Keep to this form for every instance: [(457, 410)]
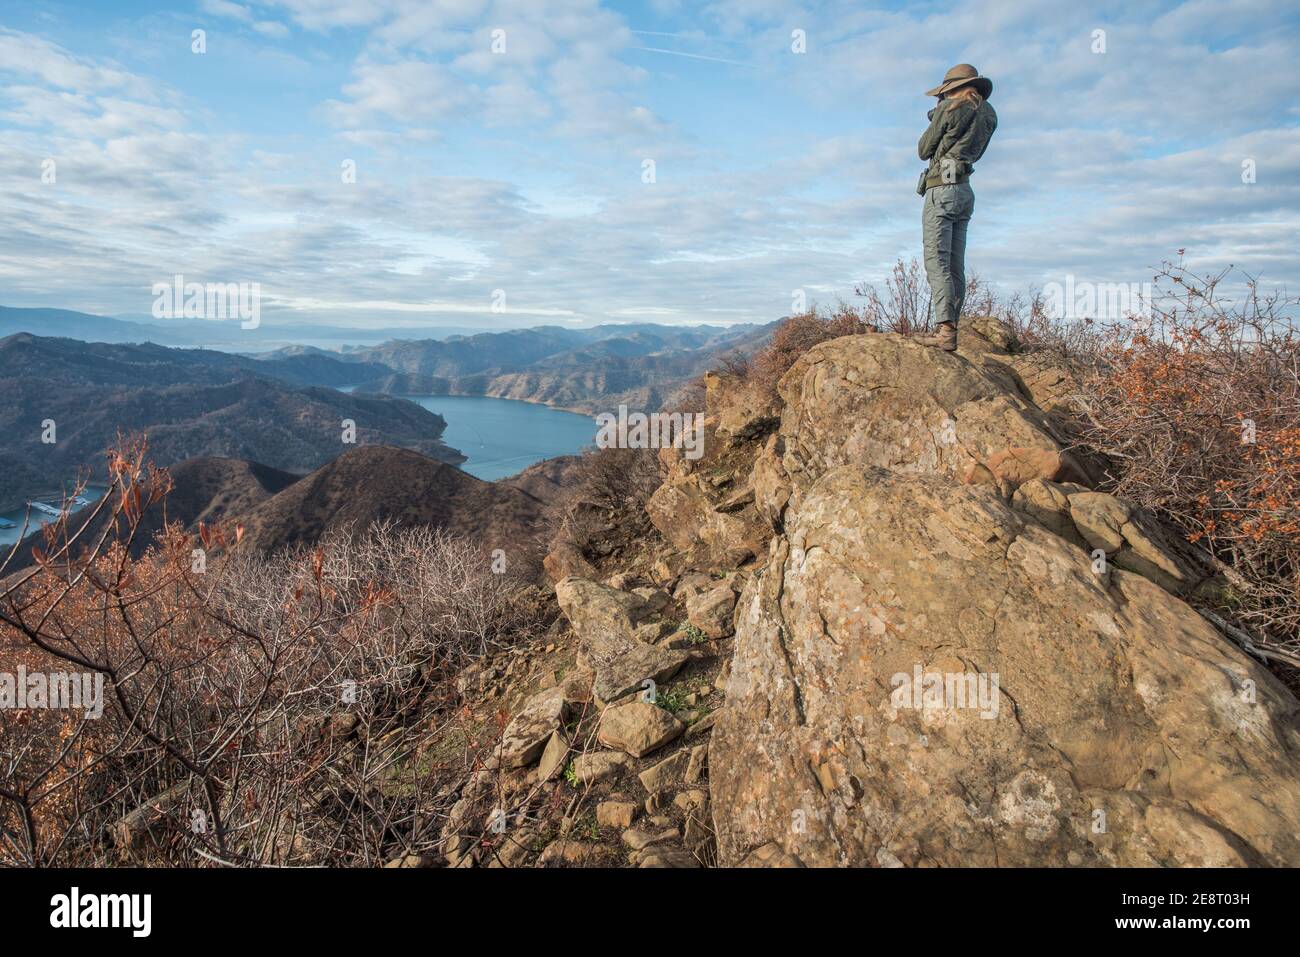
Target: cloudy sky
[(509, 146)]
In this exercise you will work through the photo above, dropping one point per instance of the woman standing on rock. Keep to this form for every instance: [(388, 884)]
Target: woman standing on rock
[(960, 128)]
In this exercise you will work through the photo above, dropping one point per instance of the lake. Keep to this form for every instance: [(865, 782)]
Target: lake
[(505, 436), (38, 520), (500, 436)]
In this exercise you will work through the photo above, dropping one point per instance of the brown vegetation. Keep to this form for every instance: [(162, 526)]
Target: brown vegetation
[(258, 710), (1198, 413)]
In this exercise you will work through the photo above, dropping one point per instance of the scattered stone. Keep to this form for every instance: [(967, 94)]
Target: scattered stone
[(412, 861), (637, 839), (553, 758), (1099, 517), (566, 853), (456, 849), (1147, 553), (679, 641), (696, 765), (655, 600), (513, 849), (619, 814), (704, 725), (1048, 503), (653, 632), (637, 728), (605, 621), (620, 581), (692, 583), (566, 559), (667, 774), (526, 735), (596, 767), (661, 856), (737, 500), (711, 611), (691, 800), (667, 567)]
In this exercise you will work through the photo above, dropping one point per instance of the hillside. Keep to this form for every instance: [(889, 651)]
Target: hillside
[(886, 620), (70, 362), (208, 489), (377, 483), (875, 608), (189, 404)]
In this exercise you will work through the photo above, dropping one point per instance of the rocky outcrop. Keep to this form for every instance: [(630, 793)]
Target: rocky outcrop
[(939, 646), (884, 401), (933, 669)]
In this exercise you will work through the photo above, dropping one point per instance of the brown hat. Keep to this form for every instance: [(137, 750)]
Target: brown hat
[(961, 75)]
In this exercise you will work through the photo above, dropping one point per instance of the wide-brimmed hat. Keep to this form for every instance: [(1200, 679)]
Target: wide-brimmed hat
[(961, 75)]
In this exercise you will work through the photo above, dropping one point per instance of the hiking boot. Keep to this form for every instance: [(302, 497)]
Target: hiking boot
[(945, 338)]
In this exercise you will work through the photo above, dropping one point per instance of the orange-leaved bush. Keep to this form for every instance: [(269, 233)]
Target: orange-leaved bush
[(1197, 410)]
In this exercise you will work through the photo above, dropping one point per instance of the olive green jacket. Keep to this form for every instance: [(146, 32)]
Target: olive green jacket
[(959, 132)]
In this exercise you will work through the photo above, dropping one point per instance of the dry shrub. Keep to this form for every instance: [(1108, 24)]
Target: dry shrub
[(617, 479), (281, 710), (1199, 414), (795, 336), (905, 307), (608, 500)]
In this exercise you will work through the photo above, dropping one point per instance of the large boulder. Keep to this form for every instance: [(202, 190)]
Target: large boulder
[(885, 401), (925, 676)]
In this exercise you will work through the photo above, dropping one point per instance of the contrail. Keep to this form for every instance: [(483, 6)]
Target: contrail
[(693, 56)]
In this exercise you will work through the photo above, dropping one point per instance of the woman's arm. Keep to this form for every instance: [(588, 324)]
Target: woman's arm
[(931, 138)]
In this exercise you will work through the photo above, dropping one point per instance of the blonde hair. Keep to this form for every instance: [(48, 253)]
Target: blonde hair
[(967, 92)]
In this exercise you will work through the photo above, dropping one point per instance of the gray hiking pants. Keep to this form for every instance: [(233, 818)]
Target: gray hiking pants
[(944, 218)]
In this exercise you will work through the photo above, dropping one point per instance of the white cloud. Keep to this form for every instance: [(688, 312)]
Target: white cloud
[(522, 171), (226, 8), (271, 28), (33, 57)]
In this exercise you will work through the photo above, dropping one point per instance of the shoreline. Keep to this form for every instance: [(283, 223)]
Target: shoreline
[(19, 504)]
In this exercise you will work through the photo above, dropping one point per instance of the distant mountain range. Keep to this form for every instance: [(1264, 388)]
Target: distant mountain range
[(583, 370), (282, 408), (189, 402), (198, 332)]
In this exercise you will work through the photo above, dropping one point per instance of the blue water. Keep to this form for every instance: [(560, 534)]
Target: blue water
[(503, 436), (37, 520)]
